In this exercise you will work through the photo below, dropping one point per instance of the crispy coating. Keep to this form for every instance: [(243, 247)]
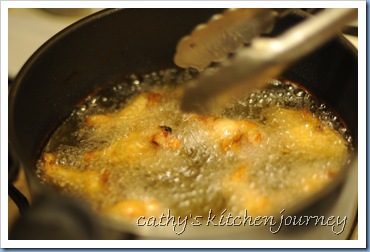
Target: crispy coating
[(135, 146), (232, 134), (141, 104)]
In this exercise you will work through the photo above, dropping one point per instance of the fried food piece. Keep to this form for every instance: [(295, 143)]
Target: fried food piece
[(231, 134), (92, 185), (96, 120), (140, 105), (241, 194), (300, 132), (133, 209), (135, 146), (88, 183), (295, 135), (164, 139), (137, 142), (127, 149)]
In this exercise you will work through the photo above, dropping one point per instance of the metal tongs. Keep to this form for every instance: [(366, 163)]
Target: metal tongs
[(251, 67)]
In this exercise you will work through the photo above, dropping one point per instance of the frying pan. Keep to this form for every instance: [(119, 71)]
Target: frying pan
[(104, 48)]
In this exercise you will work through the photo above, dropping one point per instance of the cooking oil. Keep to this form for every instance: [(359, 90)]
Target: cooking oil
[(275, 147)]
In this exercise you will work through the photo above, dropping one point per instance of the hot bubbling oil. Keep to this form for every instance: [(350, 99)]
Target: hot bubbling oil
[(199, 175)]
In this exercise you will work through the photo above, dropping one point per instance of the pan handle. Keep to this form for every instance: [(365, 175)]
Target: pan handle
[(13, 171), (19, 199)]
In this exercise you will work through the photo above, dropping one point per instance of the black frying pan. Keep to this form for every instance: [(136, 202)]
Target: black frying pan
[(104, 48)]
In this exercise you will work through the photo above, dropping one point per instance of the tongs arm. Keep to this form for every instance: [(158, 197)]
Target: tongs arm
[(307, 36), (266, 58)]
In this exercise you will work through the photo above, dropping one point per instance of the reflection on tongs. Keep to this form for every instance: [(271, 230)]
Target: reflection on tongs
[(250, 67)]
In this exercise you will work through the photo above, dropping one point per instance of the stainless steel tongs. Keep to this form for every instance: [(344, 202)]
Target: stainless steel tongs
[(251, 67)]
